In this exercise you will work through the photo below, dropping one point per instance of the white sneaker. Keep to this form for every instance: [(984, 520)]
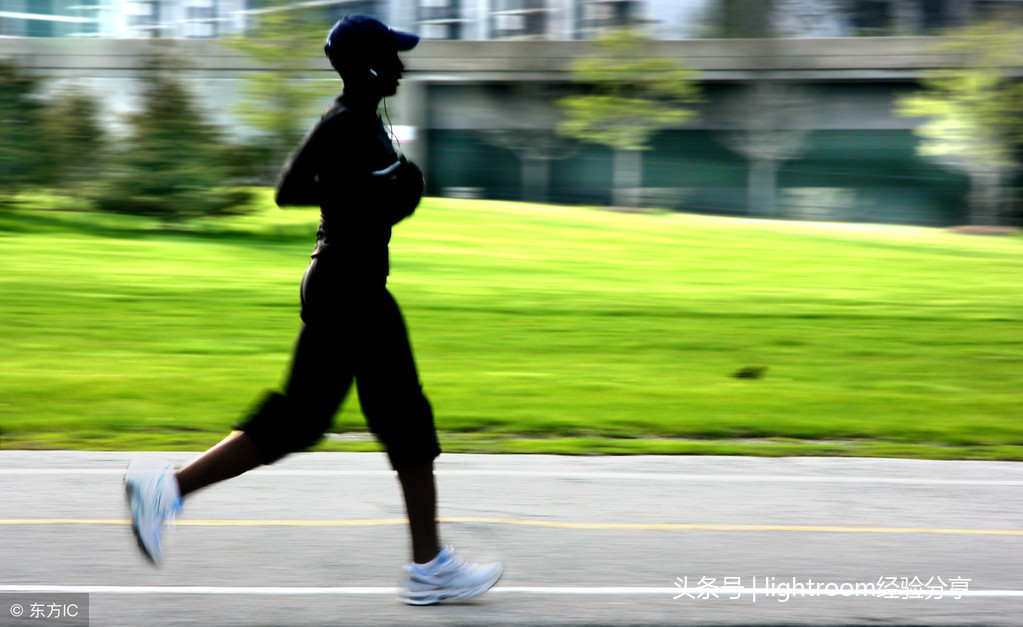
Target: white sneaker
[(448, 576), (153, 499)]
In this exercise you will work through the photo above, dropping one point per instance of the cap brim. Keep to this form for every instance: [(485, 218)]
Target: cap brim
[(404, 41)]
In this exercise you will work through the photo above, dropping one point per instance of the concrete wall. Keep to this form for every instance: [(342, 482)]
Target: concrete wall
[(466, 84), (716, 59)]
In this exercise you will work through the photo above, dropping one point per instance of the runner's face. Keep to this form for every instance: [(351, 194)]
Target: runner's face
[(389, 70)]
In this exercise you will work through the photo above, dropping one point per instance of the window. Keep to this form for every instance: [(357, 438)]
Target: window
[(439, 30), (434, 10), (612, 12), (872, 16), (199, 30), (519, 18), (598, 15), (439, 19), (510, 22)]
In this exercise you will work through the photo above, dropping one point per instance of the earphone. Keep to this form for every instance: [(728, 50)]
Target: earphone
[(373, 73)]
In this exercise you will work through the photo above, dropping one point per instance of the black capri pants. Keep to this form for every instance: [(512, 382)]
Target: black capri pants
[(352, 331)]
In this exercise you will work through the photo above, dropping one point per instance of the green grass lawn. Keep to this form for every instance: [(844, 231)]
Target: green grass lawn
[(537, 329)]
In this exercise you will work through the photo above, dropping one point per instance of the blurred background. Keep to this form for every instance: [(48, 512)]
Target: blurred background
[(892, 111), (143, 261)]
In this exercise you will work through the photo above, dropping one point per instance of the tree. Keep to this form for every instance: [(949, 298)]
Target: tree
[(22, 147), (764, 117), (278, 102), (535, 149), (518, 120), (630, 96), (173, 165), (974, 113), (75, 140)]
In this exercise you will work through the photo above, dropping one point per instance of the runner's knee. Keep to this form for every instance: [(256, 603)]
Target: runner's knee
[(279, 426)]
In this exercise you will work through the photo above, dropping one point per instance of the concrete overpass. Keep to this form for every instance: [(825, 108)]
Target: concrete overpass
[(861, 58)]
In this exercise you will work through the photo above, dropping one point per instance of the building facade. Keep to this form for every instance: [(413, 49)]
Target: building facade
[(121, 19), (550, 20)]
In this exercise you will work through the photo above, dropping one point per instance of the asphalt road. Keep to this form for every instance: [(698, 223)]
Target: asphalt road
[(318, 539)]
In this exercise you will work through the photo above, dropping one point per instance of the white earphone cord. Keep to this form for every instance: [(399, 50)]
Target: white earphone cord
[(390, 127)]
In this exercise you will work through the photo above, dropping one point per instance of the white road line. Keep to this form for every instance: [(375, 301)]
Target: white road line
[(722, 593), (627, 476), (550, 524)]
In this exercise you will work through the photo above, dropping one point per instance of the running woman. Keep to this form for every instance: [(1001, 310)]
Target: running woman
[(352, 329)]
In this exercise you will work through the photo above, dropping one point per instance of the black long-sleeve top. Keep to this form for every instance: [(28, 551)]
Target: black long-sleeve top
[(347, 165)]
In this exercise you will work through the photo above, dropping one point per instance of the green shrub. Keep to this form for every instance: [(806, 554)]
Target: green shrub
[(174, 165), (76, 144), (21, 139)]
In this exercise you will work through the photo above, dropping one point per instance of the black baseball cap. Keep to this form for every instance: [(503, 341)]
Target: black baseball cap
[(365, 35)]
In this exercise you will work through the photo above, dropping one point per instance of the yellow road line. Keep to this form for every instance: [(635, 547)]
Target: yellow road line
[(551, 524)]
